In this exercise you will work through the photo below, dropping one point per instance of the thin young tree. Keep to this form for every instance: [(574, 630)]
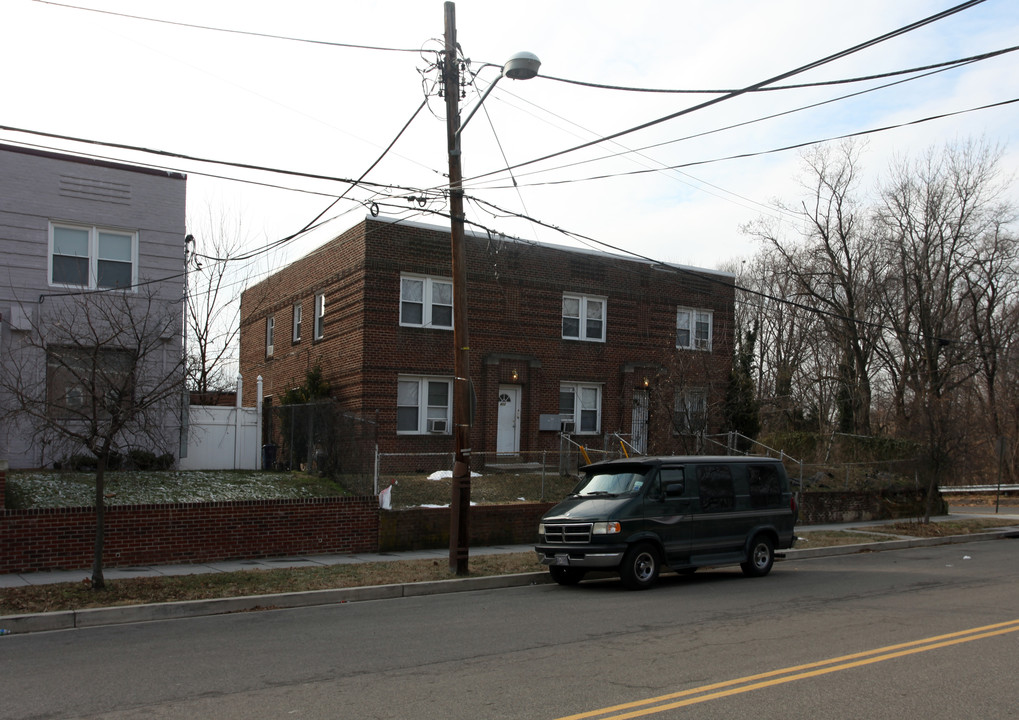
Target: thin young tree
[(110, 381), (212, 312)]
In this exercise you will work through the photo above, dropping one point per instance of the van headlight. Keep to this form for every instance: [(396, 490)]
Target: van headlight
[(541, 528), (606, 528)]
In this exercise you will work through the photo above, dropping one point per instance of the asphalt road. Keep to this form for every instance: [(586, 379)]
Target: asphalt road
[(858, 636)]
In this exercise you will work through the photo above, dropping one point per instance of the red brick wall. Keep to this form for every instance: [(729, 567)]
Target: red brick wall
[(63, 538), (428, 528), (515, 305)]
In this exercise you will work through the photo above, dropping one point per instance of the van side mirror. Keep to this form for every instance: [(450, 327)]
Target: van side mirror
[(674, 489)]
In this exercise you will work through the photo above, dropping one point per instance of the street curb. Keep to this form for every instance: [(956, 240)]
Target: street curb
[(96, 617), (806, 553)]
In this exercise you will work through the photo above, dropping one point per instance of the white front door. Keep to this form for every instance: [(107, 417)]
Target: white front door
[(638, 426), (508, 440)]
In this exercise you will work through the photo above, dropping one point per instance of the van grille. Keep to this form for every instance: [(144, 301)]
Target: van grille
[(579, 533)]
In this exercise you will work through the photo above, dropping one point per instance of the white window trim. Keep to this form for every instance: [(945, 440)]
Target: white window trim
[(584, 300), (319, 330), (577, 387), (422, 406), (426, 301), (270, 333), (93, 254), (695, 314), (297, 322)]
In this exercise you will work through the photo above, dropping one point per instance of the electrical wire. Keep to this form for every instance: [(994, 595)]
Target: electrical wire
[(750, 88), (372, 166), (226, 30), (744, 123), (948, 64), (705, 276), (784, 148)]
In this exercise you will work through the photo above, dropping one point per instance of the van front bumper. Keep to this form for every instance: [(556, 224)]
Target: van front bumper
[(587, 556)]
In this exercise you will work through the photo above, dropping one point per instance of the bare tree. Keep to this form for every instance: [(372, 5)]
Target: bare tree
[(936, 214), (97, 372), (212, 310), (835, 271), (790, 381), (991, 303)]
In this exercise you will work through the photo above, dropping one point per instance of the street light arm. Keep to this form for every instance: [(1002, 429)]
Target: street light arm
[(466, 120)]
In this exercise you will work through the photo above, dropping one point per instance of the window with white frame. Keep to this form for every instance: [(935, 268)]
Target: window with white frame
[(426, 301), (580, 403), (583, 318), (693, 329), (270, 331), (92, 257), (424, 405), (320, 316), (297, 322), (690, 412)]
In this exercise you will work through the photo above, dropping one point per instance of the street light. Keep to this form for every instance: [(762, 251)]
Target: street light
[(521, 66)]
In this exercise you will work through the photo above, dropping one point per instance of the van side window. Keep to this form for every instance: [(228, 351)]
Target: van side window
[(669, 476), (765, 486), (714, 482)]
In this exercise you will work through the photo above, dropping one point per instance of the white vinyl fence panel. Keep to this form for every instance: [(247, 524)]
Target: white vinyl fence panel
[(224, 438)]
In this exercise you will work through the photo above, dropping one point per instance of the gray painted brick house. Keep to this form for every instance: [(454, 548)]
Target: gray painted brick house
[(75, 230)]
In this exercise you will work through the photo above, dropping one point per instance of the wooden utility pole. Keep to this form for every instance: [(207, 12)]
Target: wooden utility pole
[(460, 505)]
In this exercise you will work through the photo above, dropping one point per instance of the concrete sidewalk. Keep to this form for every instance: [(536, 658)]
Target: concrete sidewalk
[(92, 617)]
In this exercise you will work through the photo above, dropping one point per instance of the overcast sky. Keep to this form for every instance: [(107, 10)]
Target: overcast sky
[(330, 110)]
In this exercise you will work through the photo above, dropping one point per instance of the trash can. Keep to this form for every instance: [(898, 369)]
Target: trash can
[(269, 457)]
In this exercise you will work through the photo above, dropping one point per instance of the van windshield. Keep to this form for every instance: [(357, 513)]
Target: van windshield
[(610, 483)]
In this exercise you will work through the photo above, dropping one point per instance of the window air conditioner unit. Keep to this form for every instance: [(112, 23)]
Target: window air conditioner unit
[(436, 425)]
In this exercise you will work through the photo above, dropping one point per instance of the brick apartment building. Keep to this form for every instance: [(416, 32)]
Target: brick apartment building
[(559, 338)]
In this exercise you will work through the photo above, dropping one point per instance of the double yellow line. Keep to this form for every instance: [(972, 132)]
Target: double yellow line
[(714, 691)]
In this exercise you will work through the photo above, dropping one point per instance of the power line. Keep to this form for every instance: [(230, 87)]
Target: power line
[(750, 88), (662, 167), (797, 86), (784, 148), (700, 274), (195, 158), (227, 30), (744, 123), (167, 168)]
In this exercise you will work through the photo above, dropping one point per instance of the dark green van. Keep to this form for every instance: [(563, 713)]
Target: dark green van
[(637, 516)]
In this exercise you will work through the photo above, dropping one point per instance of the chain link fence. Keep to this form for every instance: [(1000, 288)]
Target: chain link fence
[(318, 437)]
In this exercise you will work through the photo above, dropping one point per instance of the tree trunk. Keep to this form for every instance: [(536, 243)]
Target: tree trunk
[(98, 583)]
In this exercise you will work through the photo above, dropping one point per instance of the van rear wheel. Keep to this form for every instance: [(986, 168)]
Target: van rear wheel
[(760, 558), (566, 575), (640, 566)]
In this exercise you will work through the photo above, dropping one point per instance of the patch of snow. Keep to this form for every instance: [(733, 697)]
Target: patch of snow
[(444, 474)]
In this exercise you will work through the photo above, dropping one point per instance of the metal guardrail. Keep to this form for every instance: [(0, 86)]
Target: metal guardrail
[(977, 488)]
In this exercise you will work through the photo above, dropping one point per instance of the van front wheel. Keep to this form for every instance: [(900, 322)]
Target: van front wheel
[(760, 558), (640, 567)]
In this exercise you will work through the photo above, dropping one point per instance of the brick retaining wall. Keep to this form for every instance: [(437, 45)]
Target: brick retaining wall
[(428, 528), (62, 538), (817, 508)]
